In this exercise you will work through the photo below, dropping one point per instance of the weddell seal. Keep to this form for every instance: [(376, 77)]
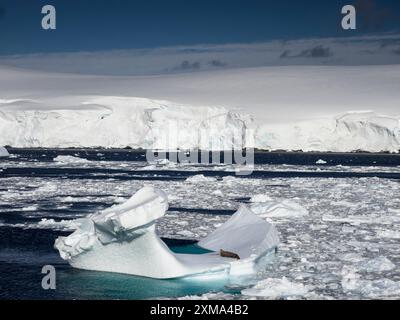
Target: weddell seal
[(227, 254)]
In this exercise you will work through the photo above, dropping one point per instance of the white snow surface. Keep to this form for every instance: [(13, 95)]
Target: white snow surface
[(122, 239), (332, 108)]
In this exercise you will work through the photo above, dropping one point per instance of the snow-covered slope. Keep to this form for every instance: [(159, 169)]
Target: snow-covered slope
[(290, 108)]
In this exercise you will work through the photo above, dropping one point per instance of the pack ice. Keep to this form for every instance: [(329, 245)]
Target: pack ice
[(123, 239)]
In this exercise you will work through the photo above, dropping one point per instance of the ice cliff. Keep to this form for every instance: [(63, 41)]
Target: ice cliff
[(123, 239), (113, 122), (119, 122), (351, 131)]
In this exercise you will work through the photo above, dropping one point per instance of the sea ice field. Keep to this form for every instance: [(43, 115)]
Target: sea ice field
[(338, 218)]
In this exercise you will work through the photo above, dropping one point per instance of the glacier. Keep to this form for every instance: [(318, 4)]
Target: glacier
[(325, 108), (348, 132), (118, 122), (123, 239)]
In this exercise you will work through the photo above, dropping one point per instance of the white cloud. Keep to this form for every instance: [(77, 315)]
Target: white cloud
[(365, 50)]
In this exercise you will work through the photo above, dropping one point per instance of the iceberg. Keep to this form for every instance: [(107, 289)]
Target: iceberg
[(3, 152), (70, 159), (320, 161), (123, 239)]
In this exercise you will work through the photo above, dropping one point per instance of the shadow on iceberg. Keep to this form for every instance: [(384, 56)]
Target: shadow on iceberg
[(123, 239)]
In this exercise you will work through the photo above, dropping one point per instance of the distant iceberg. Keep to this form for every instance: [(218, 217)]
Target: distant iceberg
[(70, 159), (123, 239), (3, 152)]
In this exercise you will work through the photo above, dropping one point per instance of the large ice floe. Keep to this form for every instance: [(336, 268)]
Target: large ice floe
[(123, 239), (3, 152)]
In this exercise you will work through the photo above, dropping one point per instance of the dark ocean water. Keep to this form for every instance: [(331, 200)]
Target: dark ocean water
[(23, 251), (293, 158)]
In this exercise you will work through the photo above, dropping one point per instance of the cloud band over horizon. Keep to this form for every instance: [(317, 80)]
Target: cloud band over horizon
[(362, 50)]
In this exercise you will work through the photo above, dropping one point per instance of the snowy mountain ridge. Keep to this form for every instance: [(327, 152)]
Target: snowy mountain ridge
[(117, 122)]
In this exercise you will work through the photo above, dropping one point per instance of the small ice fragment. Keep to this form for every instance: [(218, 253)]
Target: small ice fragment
[(379, 264), (261, 198), (69, 159), (200, 178)]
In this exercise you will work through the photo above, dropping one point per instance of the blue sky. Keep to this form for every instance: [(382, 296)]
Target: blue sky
[(87, 25)]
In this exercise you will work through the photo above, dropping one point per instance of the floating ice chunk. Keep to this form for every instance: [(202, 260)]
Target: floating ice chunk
[(4, 152), (186, 233), (379, 264), (388, 234), (70, 159), (230, 180), (279, 209), (320, 161), (261, 198), (209, 296), (30, 208), (381, 288), (343, 203), (200, 178), (164, 163), (351, 257), (218, 193), (276, 288), (58, 225), (350, 279), (122, 239)]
